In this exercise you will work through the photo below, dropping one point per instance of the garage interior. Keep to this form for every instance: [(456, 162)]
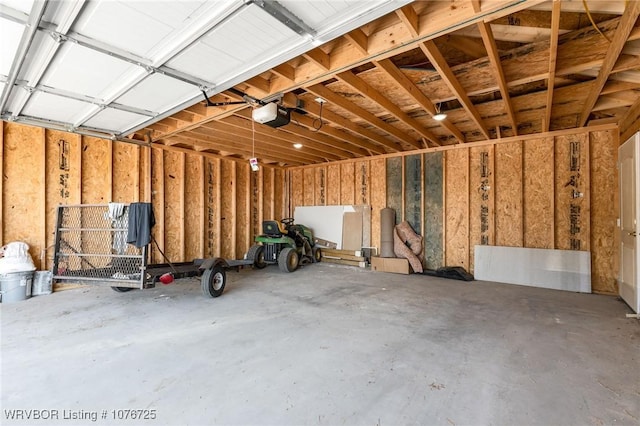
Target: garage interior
[(537, 97)]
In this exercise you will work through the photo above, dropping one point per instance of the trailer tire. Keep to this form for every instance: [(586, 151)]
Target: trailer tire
[(288, 260), (256, 254), (122, 289), (213, 281), (317, 254)]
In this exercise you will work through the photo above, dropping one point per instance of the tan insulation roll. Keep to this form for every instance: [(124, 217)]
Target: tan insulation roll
[(402, 250), (387, 224)]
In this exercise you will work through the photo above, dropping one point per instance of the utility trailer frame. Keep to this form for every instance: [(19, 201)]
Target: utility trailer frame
[(90, 248)]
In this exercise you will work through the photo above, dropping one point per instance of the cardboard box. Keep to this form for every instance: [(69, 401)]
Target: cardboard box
[(396, 265)]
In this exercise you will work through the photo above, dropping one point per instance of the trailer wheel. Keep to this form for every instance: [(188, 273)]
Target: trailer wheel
[(122, 289), (288, 260), (213, 281), (317, 254), (256, 254)]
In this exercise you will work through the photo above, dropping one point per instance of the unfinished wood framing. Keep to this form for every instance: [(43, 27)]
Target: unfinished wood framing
[(213, 206), (186, 191), (506, 192)]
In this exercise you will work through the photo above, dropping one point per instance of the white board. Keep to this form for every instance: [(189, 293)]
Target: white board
[(326, 222), (568, 270)]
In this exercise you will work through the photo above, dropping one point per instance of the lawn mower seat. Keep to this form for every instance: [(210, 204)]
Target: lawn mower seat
[(273, 228)]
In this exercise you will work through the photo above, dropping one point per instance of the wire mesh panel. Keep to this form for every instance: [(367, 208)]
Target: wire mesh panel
[(91, 247)]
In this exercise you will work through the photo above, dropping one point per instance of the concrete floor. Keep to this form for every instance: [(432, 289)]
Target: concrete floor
[(326, 345)]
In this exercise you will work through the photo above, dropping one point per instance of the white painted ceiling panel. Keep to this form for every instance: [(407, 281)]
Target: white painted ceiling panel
[(316, 13), (112, 120), (204, 62), (158, 93), (81, 70), (10, 34), (42, 44), (247, 38), (120, 25), (21, 5), (52, 107)]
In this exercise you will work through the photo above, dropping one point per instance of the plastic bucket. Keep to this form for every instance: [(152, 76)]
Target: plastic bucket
[(15, 286)]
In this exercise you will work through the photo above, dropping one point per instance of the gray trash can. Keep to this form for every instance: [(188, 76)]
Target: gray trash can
[(15, 286)]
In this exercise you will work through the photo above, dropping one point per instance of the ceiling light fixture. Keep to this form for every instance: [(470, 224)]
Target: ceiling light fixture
[(297, 145), (439, 116)]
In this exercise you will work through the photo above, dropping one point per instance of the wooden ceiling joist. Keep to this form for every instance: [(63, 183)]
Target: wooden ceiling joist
[(334, 98), (553, 54), (627, 22), (403, 82), (494, 58), (439, 62), (369, 92)]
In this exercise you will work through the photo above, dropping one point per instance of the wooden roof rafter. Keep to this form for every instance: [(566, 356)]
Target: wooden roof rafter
[(369, 92), (553, 56), (629, 18)]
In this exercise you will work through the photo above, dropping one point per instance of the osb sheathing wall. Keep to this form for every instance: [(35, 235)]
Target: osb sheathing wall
[(204, 206), (558, 191)]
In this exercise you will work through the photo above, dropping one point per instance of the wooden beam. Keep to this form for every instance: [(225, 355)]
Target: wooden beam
[(366, 134), (285, 71), (405, 83), (259, 83), (494, 58), (553, 54), (329, 95), (318, 57), (631, 117), (369, 92), (629, 18), (359, 40), (409, 18), (467, 45), (430, 49), (182, 207), (243, 127)]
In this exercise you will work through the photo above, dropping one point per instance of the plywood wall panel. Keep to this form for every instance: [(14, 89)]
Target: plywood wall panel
[(333, 185), (269, 194), (508, 204), (309, 187), (157, 196), (539, 197), (23, 175), (212, 207), (481, 199), (96, 171), (125, 173), (347, 184), (174, 219), (243, 209), (228, 186), (194, 211), (320, 187), (281, 203), (457, 208), (297, 187), (604, 212), (378, 196), (571, 187), (413, 192), (433, 210), (257, 203), (362, 183), (63, 152), (394, 186)]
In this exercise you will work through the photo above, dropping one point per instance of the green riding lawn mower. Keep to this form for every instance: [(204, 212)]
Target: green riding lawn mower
[(285, 243)]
